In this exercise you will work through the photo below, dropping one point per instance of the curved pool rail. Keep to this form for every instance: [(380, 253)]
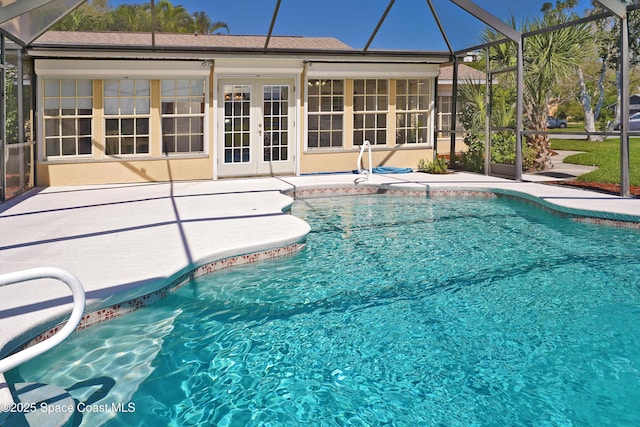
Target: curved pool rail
[(79, 301), (360, 166)]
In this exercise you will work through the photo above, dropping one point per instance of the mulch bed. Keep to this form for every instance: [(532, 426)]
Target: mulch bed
[(600, 187)]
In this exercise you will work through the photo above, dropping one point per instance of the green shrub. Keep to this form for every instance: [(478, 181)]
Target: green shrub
[(472, 160), (438, 166), (503, 150)]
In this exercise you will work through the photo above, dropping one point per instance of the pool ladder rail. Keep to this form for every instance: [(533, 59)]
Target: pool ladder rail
[(359, 166), (32, 395)]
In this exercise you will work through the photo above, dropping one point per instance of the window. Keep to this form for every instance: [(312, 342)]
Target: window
[(413, 105), (68, 115), (444, 112), (183, 116), (325, 113), (370, 104), (127, 114)]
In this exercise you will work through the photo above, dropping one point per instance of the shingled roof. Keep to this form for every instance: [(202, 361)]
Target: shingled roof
[(465, 73), (84, 39)]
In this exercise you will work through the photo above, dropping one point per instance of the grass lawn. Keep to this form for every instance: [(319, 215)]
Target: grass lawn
[(605, 155), (571, 127)]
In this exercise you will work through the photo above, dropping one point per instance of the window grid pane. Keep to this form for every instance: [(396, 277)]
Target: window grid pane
[(370, 106), (413, 111), (275, 143), (68, 115), (182, 116), (237, 124), (326, 111), (127, 106), (444, 112)]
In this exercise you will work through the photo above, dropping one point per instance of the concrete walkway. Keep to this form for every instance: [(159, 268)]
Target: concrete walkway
[(123, 241), (561, 171)]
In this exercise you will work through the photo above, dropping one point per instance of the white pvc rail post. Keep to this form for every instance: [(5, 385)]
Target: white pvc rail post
[(360, 166), (79, 302)]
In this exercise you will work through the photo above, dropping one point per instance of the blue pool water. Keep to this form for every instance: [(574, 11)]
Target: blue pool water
[(400, 311)]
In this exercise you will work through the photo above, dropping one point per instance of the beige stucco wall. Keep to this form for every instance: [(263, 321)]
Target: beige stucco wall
[(103, 169), (115, 172), (313, 162), (155, 166)]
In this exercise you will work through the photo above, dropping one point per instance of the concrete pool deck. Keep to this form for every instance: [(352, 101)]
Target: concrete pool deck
[(124, 241)]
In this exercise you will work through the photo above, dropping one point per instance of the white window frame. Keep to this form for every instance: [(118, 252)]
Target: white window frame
[(95, 70), (367, 104), (334, 110), (133, 107), (180, 117), (66, 101), (327, 69), (416, 105), (445, 105)]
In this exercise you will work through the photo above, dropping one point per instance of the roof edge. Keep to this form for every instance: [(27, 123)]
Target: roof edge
[(85, 51)]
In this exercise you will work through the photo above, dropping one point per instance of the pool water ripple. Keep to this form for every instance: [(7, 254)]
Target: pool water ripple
[(400, 311)]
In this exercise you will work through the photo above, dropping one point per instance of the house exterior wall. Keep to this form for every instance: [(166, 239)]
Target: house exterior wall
[(347, 161), (124, 171), (99, 166), (141, 156)]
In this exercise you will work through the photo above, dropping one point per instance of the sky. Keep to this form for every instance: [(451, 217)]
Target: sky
[(409, 25)]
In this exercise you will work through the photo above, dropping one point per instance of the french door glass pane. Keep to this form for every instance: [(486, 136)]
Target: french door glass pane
[(275, 119), (237, 103)]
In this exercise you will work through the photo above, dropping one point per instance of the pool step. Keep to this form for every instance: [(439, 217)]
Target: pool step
[(53, 406)]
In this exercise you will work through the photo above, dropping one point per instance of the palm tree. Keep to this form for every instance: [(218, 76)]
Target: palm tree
[(218, 25), (471, 98), (172, 19), (549, 58), (202, 24), (127, 17), (91, 15), (98, 15)]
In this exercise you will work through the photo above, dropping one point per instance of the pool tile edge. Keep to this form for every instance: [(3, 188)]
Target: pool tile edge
[(103, 314), (425, 190)]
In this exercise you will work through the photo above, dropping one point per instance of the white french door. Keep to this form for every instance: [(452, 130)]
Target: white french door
[(255, 127)]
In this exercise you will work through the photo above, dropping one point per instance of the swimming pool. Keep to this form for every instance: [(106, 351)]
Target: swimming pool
[(400, 311)]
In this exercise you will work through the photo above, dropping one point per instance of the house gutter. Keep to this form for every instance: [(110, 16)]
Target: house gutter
[(235, 50)]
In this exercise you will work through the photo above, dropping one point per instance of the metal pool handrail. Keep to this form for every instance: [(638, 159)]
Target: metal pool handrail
[(359, 165), (79, 301)]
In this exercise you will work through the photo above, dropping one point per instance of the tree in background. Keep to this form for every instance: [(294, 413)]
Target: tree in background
[(473, 108), (93, 15), (606, 33), (202, 24), (98, 15), (172, 19), (128, 17), (591, 97), (550, 58)]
